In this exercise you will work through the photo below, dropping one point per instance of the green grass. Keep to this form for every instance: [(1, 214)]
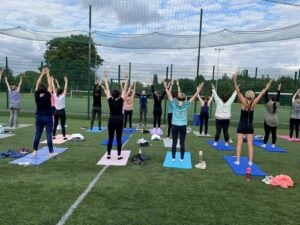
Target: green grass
[(145, 195)]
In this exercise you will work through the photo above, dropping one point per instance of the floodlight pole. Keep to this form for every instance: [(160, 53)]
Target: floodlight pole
[(199, 44), (219, 51), (89, 60)]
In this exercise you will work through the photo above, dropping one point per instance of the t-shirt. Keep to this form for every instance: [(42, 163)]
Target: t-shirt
[(116, 107), (14, 99), (60, 101), (43, 103), (295, 110), (143, 99), (97, 96), (179, 117), (170, 108), (270, 117), (128, 103)]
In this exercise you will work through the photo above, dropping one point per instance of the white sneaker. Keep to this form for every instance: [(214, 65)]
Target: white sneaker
[(226, 144), (263, 145), (273, 146), (181, 160), (230, 141), (250, 163), (173, 159), (237, 162), (215, 143)]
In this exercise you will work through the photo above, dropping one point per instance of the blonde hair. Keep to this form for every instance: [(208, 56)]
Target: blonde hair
[(249, 94)]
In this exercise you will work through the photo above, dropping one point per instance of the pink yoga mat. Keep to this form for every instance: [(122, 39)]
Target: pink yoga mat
[(59, 139), (287, 138), (113, 161)]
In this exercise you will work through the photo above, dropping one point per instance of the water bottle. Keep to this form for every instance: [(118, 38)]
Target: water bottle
[(200, 156), (248, 174), (140, 154)]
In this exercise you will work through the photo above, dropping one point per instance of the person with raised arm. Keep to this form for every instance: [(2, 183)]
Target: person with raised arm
[(179, 119), (115, 121), (204, 113), (245, 126), (222, 114), (1, 73), (271, 117), (143, 106), (97, 109), (170, 108), (157, 109), (295, 116), (14, 102), (43, 115), (60, 105), (128, 105)]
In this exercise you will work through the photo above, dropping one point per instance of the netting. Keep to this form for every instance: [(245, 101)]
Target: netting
[(154, 24)]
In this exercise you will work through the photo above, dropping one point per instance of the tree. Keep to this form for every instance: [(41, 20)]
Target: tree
[(69, 56)]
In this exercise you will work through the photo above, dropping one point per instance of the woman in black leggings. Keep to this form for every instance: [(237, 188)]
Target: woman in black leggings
[(157, 110), (115, 121), (96, 104)]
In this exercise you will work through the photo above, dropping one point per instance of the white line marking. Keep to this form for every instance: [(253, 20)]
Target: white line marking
[(81, 197)]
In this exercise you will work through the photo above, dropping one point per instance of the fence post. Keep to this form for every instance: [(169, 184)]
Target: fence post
[(295, 80), (119, 74), (213, 77), (255, 78)]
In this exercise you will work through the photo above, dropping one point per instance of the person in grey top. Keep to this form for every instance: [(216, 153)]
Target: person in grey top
[(14, 102), (271, 117), (295, 117)]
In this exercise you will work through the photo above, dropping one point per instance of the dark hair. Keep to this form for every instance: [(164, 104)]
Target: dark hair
[(174, 94), (115, 94), (225, 98), (59, 92), (97, 91), (42, 88)]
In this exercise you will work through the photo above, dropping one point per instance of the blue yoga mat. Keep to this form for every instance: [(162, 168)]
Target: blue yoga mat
[(124, 138), (96, 130), (128, 131), (186, 164), (269, 147), (241, 169), (42, 156), (221, 146)]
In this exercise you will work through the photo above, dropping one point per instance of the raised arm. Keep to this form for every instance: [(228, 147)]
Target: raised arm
[(295, 95), (178, 86), (210, 100), (168, 90), (263, 91), (39, 80), (199, 88), (238, 91), (1, 73), (7, 84), (201, 100), (124, 91), (66, 85), (278, 93), (215, 95), (20, 84), (49, 80)]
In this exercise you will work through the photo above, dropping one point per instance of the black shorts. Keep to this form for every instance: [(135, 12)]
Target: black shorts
[(244, 128)]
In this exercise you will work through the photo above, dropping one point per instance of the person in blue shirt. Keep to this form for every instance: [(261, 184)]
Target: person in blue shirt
[(143, 106), (170, 109), (179, 119)]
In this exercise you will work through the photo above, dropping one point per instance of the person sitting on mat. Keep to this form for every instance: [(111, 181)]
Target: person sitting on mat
[(143, 106), (14, 102), (179, 120), (128, 105), (222, 114), (157, 109), (170, 108), (43, 115), (115, 121), (245, 126), (204, 113), (96, 110), (271, 117), (60, 104), (295, 116)]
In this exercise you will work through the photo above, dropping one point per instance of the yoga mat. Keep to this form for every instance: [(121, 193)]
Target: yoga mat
[(113, 161), (221, 146), (168, 143), (124, 138), (2, 136), (269, 147), (241, 169), (96, 130), (201, 135), (287, 138), (128, 131), (59, 139), (186, 164), (19, 126), (42, 156)]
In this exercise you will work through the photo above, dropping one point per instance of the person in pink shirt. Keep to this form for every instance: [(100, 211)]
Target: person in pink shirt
[(128, 105)]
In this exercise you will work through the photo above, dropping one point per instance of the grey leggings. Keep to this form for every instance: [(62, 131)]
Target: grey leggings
[(13, 118)]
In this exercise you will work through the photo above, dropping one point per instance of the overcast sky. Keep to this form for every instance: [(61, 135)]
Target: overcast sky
[(147, 16)]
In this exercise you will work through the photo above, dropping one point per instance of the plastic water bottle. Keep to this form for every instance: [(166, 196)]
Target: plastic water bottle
[(248, 174), (140, 154), (200, 156)]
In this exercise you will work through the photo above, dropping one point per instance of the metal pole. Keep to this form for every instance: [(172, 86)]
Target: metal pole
[(255, 78), (119, 74), (199, 44), (89, 59), (171, 72), (213, 77), (295, 80), (129, 73)]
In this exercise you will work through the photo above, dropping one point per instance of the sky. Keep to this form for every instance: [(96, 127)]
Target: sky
[(176, 17)]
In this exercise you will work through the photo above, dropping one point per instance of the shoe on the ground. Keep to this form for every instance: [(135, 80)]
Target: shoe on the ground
[(108, 157), (65, 138), (226, 144), (237, 162), (34, 153), (230, 141), (263, 145), (120, 157), (173, 159), (250, 163), (53, 137), (215, 143), (273, 145), (181, 160)]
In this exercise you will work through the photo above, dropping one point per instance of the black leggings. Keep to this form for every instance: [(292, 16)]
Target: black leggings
[(157, 117), (60, 115), (181, 131), (294, 125), (115, 125), (222, 124), (143, 113), (169, 123), (269, 130), (128, 114), (203, 121), (96, 111)]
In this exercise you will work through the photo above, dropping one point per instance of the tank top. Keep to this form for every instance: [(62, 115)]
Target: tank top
[(204, 108)]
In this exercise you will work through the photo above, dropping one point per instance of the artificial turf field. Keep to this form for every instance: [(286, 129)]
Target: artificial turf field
[(144, 195)]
